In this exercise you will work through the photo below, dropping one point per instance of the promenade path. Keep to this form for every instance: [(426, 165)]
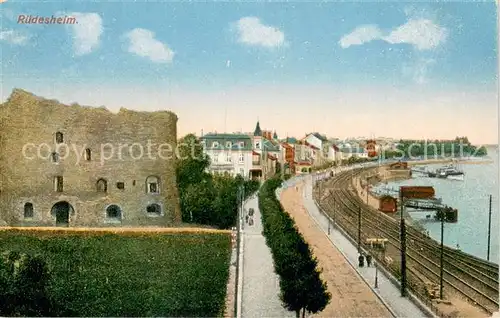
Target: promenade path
[(351, 296), (260, 293), (402, 306)]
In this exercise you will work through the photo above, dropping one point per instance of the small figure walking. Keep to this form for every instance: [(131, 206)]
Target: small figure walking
[(361, 260), (368, 260)]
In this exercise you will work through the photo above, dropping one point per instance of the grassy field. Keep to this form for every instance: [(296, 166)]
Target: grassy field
[(130, 274)]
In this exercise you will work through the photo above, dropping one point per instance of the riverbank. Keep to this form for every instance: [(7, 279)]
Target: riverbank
[(378, 176), (382, 175)]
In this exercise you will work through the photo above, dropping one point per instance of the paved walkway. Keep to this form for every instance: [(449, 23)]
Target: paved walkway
[(401, 307), (260, 294)]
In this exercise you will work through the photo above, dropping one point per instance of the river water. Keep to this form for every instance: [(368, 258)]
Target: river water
[(471, 198)]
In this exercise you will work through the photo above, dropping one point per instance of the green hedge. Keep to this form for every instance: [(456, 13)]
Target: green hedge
[(116, 275), (300, 283)]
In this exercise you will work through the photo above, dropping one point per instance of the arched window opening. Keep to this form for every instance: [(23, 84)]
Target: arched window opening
[(152, 185), (88, 154), (55, 157), (28, 210), (102, 185), (59, 137), (154, 209), (113, 212)]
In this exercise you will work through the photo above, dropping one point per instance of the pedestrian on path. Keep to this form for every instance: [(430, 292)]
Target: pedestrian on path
[(368, 260), (361, 260)]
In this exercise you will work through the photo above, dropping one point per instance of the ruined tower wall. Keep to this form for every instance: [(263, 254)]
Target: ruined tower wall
[(119, 152)]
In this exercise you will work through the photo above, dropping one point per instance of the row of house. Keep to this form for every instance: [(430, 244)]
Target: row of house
[(251, 155), (258, 155)]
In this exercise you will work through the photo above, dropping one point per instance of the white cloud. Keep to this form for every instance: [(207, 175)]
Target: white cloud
[(252, 32), (86, 32), (14, 37), (142, 42), (423, 34), (360, 35)]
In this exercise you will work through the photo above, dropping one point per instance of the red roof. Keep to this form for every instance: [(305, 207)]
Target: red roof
[(271, 157), (335, 148), (287, 145), (255, 153), (313, 147)]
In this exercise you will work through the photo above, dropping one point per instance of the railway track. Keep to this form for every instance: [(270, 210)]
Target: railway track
[(473, 278)]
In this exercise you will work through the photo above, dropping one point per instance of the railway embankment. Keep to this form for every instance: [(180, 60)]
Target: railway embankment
[(370, 177), (470, 284)]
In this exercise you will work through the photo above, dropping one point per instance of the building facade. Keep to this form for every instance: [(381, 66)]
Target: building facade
[(253, 156), (84, 167), (229, 153)]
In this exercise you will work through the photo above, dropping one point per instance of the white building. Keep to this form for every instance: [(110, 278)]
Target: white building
[(251, 156), (229, 153), (333, 153), (316, 140)]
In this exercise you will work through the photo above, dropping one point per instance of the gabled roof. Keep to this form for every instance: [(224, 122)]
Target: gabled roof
[(270, 146), (335, 148), (226, 142), (317, 135), (290, 140), (228, 137), (311, 146)]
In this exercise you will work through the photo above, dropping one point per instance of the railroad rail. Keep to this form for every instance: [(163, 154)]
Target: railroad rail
[(473, 278)]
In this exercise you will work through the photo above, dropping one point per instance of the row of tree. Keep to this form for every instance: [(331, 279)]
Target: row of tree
[(205, 198), (301, 286), (459, 148)]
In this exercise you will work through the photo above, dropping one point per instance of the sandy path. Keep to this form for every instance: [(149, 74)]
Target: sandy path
[(351, 297)]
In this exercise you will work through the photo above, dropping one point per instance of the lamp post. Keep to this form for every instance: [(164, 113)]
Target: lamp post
[(366, 191), (334, 208), (376, 275), (403, 246), (489, 231), (359, 229), (441, 271)]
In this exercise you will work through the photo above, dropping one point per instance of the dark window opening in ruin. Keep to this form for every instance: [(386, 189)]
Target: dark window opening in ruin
[(152, 185), (59, 137), (55, 157), (113, 212), (120, 185), (154, 209), (88, 154), (58, 184), (61, 210), (28, 210), (102, 185), (133, 183)]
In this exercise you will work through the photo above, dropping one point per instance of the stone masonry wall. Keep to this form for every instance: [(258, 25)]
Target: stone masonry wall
[(27, 121)]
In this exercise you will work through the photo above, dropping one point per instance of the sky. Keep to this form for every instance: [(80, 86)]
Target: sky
[(345, 69)]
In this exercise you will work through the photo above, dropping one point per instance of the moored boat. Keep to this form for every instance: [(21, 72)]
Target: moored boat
[(450, 172)]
